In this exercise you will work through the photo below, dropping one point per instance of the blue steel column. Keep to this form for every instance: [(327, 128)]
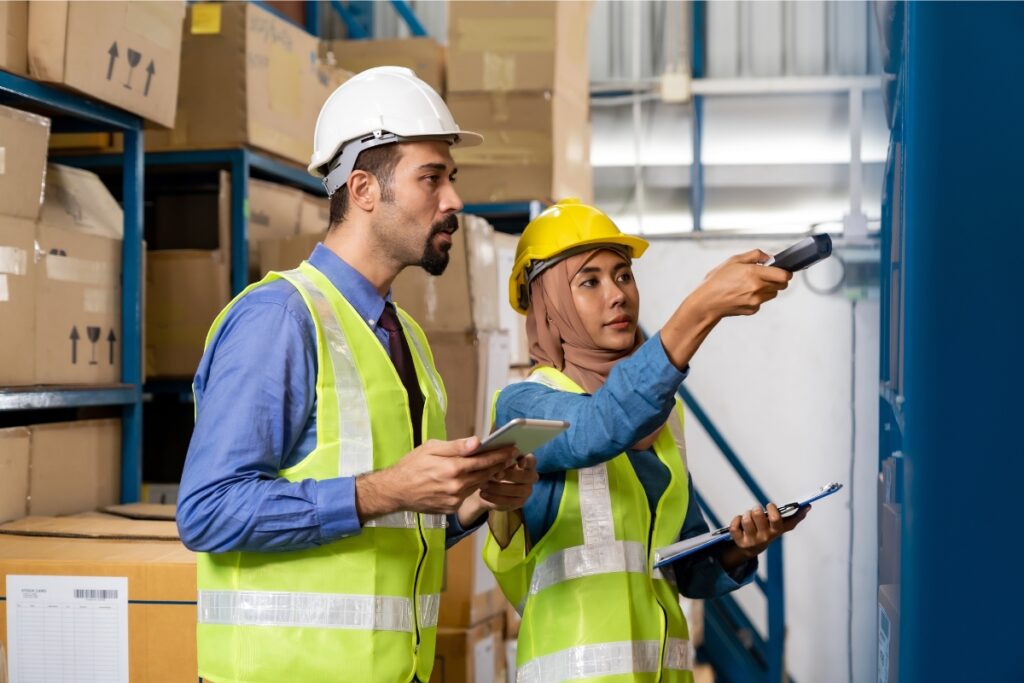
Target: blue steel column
[(963, 376), (131, 316), (239, 220), (697, 132)]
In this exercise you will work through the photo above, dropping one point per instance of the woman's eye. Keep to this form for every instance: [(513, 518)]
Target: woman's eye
[(589, 283), (626, 277)]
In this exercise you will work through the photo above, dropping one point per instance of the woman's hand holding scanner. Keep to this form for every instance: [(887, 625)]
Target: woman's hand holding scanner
[(754, 530), (737, 287), (434, 478)]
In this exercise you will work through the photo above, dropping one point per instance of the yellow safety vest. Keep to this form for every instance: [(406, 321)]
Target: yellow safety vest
[(593, 606), (360, 609)]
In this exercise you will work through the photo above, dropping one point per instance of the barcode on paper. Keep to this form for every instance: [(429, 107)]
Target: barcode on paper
[(95, 594)]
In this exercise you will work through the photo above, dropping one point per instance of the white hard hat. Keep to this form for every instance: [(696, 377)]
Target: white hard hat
[(379, 106)]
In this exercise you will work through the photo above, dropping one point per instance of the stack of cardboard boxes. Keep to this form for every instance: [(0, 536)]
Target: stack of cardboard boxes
[(517, 74), (189, 256)]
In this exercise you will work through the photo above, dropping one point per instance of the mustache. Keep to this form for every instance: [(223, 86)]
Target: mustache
[(448, 224)]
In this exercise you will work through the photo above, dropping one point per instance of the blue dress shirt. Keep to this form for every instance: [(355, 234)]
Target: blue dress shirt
[(636, 399), (255, 393)]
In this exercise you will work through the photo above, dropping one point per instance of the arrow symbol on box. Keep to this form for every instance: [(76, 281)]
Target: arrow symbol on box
[(74, 345), (150, 70), (113, 57), (111, 338)]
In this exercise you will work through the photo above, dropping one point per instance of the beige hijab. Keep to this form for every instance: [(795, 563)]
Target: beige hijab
[(557, 336)]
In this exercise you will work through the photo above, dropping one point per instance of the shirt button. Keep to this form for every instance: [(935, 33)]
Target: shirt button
[(370, 320)]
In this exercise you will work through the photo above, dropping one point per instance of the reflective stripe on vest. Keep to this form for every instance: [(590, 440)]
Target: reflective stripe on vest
[(606, 659), (404, 519), (435, 380), (315, 610), (355, 440)]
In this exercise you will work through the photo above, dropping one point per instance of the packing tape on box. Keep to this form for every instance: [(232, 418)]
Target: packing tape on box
[(99, 301), (507, 148), (5, 294), (13, 261), (503, 34), (499, 71), (82, 271), (25, 117), (3, 160)]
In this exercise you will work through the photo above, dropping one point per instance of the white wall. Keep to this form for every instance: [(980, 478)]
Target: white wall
[(783, 388)]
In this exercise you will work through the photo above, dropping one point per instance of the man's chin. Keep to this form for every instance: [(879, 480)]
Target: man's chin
[(435, 264)]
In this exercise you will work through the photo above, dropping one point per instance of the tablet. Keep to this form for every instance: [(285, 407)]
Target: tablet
[(527, 435)]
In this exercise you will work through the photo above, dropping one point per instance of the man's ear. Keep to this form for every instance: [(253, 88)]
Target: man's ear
[(363, 190)]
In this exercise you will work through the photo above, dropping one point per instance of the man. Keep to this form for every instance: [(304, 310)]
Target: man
[(319, 489)]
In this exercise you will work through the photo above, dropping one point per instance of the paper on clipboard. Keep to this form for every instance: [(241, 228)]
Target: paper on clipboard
[(671, 553)]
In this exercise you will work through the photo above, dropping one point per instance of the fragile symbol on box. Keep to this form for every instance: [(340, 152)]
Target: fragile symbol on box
[(134, 57), (93, 333)]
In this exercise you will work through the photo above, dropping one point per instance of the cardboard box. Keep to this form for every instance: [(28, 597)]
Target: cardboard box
[(473, 366), (281, 255), (248, 78), (536, 146), (125, 53), (315, 218), (185, 290), (14, 36), (17, 301), (161, 578), (470, 594), (693, 610), (23, 140), (888, 633), (74, 466), (156, 492), (511, 653), (512, 621), (78, 281), (504, 45), (14, 457), (465, 297), (473, 655), (188, 285), (274, 213), (508, 320), (425, 56)]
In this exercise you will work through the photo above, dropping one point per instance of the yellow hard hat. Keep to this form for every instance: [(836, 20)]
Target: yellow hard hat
[(565, 227)]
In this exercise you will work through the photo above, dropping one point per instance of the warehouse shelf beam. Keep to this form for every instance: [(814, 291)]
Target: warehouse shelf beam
[(46, 397), (353, 26), (410, 18), (64, 108)]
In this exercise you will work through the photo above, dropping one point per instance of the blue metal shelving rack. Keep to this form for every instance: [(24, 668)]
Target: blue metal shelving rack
[(242, 163), (70, 112)]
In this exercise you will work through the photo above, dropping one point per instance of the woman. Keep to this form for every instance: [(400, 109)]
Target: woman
[(614, 487)]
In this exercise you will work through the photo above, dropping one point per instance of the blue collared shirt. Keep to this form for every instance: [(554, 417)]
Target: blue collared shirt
[(255, 393), (636, 399)]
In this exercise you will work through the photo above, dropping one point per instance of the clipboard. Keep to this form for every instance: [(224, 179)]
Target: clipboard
[(670, 553)]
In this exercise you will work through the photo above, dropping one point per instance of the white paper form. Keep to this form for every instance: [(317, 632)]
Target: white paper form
[(67, 629)]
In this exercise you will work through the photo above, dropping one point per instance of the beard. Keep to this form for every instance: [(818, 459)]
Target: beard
[(435, 260)]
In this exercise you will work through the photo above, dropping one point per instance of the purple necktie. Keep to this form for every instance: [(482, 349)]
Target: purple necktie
[(401, 357)]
